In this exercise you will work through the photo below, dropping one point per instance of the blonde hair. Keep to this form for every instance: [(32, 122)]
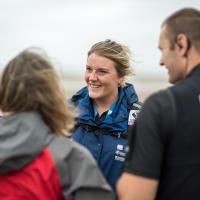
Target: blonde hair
[(30, 83), (120, 54)]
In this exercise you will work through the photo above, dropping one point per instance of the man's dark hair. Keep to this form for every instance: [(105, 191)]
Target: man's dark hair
[(187, 22)]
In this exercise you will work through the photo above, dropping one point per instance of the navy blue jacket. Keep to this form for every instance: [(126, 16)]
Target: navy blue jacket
[(109, 151)]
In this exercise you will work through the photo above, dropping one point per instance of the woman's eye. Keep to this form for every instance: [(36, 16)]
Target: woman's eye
[(102, 72)]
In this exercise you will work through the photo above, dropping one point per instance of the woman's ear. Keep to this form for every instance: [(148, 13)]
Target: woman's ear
[(121, 80)]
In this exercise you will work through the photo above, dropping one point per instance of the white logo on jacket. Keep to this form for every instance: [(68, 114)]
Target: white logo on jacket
[(132, 117), (119, 153)]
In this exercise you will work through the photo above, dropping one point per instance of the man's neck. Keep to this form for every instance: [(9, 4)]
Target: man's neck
[(193, 59)]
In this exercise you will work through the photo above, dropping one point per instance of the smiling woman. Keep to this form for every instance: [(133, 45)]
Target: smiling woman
[(105, 107)]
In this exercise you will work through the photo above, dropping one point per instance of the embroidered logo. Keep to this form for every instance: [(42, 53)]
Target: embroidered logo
[(119, 147), (119, 153), (132, 117), (119, 158)]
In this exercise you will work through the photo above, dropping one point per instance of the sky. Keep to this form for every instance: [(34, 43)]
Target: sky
[(66, 29)]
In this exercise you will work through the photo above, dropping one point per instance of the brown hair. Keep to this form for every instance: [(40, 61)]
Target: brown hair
[(118, 53), (185, 21), (30, 83)]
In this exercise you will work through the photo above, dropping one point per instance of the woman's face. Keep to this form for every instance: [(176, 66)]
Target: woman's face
[(102, 78)]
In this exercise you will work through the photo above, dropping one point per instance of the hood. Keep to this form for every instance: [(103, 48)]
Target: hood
[(22, 137), (127, 96)]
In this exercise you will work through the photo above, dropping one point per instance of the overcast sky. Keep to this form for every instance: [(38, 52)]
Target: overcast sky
[(66, 29)]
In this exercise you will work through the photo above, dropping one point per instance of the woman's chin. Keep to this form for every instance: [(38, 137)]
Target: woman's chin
[(94, 96)]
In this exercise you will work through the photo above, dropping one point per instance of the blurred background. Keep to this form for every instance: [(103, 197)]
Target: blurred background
[(66, 30)]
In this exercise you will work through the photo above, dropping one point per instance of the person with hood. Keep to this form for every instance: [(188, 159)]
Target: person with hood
[(106, 107), (36, 161)]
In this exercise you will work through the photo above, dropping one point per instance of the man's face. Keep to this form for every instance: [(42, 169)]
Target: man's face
[(171, 58)]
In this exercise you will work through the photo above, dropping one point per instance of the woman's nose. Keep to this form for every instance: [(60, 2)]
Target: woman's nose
[(93, 75)]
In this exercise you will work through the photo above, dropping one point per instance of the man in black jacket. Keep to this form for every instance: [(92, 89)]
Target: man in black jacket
[(164, 156)]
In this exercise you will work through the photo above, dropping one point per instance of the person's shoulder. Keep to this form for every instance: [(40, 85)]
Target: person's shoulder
[(77, 168), (79, 150), (183, 86), (159, 96), (160, 100), (66, 147)]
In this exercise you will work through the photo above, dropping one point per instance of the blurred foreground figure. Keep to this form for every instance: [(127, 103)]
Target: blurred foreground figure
[(36, 161), (164, 157), (107, 107)]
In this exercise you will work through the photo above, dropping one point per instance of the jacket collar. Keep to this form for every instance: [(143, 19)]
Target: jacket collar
[(127, 96), (195, 70)]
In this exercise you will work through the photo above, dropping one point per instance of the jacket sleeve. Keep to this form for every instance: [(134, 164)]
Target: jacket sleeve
[(80, 175)]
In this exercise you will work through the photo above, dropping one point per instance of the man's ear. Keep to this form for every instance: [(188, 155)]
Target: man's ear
[(183, 44)]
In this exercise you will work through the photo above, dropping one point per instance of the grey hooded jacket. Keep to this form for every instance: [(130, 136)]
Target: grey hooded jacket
[(24, 135)]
